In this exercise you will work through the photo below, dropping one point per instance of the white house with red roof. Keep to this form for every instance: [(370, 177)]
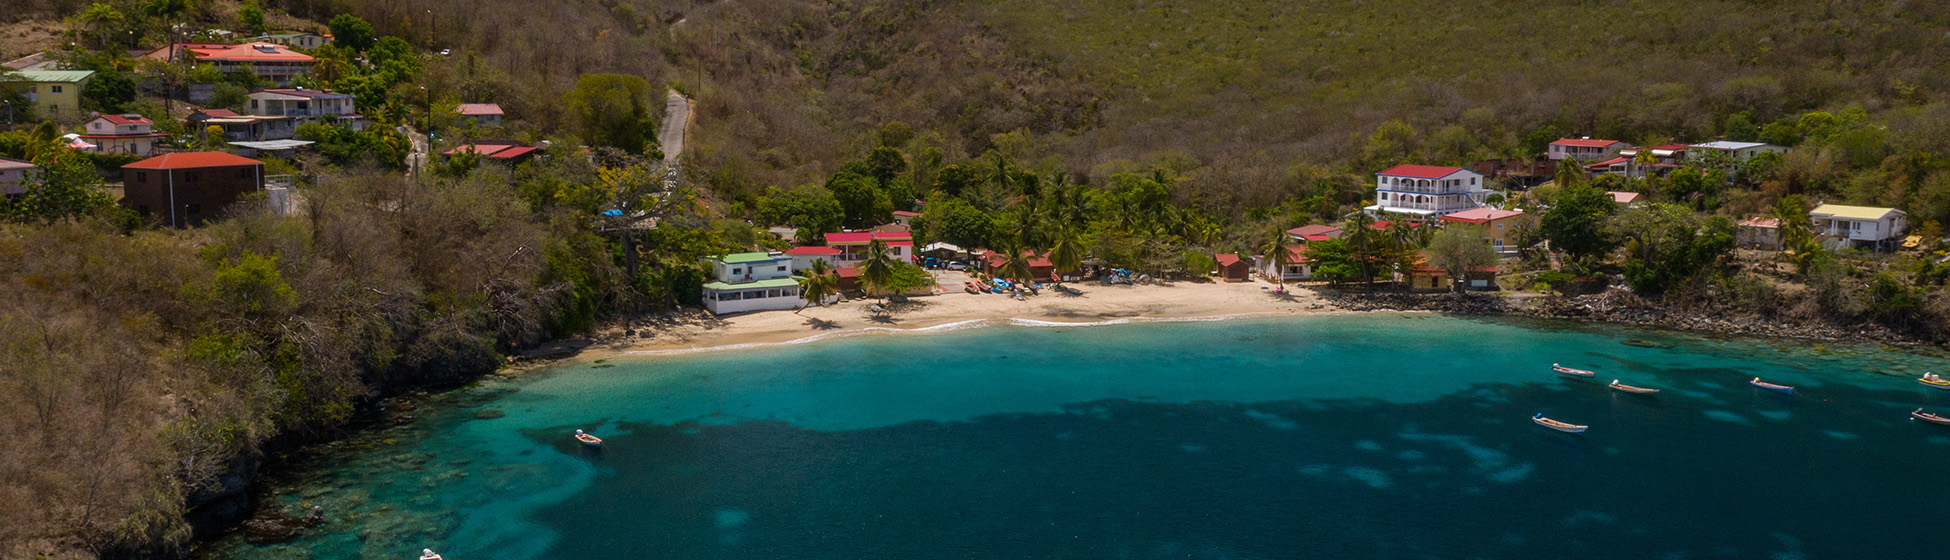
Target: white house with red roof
[(270, 61), (1584, 149), (1299, 266), (298, 106), (484, 115), (1427, 190), (853, 246), (121, 134), (803, 257)]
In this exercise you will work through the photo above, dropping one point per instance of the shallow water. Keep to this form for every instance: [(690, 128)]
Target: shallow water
[(1372, 436)]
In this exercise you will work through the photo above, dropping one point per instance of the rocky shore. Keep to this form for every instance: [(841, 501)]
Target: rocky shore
[(1617, 306)]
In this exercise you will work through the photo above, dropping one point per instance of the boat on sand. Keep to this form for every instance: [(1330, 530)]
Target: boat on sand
[(1565, 427)]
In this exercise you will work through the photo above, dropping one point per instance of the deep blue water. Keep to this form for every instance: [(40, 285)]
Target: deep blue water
[(1373, 436)]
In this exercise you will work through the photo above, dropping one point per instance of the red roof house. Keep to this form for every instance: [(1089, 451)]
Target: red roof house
[(188, 188), (1316, 232), (1232, 268)]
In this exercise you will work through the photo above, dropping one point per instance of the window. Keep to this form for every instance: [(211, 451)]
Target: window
[(774, 292), (141, 176), (737, 271), (54, 89), (728, 296), (142, 209), (243, 173), (781, 269), (98, 125)]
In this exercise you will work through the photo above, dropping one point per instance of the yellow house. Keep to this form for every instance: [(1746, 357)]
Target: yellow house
[(1502, 227), (53, 94)]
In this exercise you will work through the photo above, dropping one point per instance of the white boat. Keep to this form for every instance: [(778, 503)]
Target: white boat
[(428, 554), (1573, 371), (1565, 427), (1775, 387)]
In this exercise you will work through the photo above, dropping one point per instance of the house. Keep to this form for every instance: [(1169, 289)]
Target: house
[(1232, 268), (484, 115), (1669, 154), (305, 41), (1423, 276), (853, 246), (36, 61), (293, 107), (1625, 166), (1427, 190), (1503, 227), (13, 176), (270, 61), (905, 218), (236, 127), (751, 282), (1859, 226), (51, 94), (1316, 232), (1298, 267), (122, 134), (1759, 233), (1626, 199), (1736, 152), (506, 151), (803, 257), (184, 189), (1584, 149), (1040, 268)]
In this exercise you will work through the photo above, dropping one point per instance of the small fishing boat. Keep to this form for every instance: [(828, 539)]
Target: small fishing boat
[(1929, 417), (1556, 425), (1623, 388), (1572, 371), (1775, 387), (429, 554), (588, 440), (970, 287), (1932, 380)]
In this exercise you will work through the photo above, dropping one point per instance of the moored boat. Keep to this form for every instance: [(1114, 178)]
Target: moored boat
[(1775, 387), (588, 440), (1565, 427), (428, 554), (1621, 387), (1572, 371), (1932, 380), (1929, 417)]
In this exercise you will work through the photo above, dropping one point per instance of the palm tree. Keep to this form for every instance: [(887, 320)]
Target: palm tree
[(101, 17), (1017, 266), (1360, 236), (1067, 255), (818, 284), (878, 270), (1277, 253), (44, 140)]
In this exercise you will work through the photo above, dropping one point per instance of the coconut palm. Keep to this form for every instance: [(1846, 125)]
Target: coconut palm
[(818, 284), (1067, 255), (1277, 253), (878, 270), (1017, 266)]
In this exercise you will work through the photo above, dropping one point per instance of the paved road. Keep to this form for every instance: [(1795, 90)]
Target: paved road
[(677, 122), (416, 160)]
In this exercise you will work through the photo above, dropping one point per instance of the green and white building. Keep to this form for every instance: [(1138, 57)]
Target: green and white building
[(752, 282)]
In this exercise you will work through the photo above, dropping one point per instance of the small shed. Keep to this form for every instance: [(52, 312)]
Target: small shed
[(1759, 233), (1232, 268)]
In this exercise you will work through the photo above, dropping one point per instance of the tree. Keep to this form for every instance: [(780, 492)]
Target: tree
[(251, 18), (611, 110), (818, 284), (808, 207), (1016, 264), (1575, 223), (861, 201), (352, 32), (1276, 252), (1334, 261), (102, 18), (1665, 244), (1460, 249), (62, 184), (109, 91), (1067, 255)]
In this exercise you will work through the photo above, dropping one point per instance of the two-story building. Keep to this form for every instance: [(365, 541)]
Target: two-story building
[(1584, 149), (51, 94), (854, 245), (298, 106), (484, 115), (121, 134), (1735, 152), (13, 176), (1503, 228), (1669, 154), (188, 188), (752, 282), (1859, 226), (272, 62), (1427, 190), (305, 41), (236, 127)]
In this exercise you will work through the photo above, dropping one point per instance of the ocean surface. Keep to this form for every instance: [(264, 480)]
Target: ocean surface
[(1363, 436)]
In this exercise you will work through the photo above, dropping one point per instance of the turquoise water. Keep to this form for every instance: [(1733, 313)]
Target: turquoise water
[(1370, 436)]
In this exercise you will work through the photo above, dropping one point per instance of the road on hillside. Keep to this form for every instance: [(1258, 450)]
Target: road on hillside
[(677, 120)]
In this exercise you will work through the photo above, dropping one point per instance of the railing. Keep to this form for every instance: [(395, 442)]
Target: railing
[(279, 181)]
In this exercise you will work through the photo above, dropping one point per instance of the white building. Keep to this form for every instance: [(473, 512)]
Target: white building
[(1427, 190), (752, 282), (1859, 226), (854, 245), (1584, 149), (121, 134), (297, 106), (803, 257), (1300, 267), (1736, 152)]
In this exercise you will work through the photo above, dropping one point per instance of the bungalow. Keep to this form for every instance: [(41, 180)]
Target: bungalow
[(1759, 233), (122, 134), (1859, 226), (52, 94), (1232, 268), (1314, 232), (1426, 277), (853, 245), (13, 176), (188, 188), (508, 151), (1427, 190), (484, 115), (1502, 227), (751, 282), (803, 257), (1298, 267), (1040, 268), (270, 61), (1736, 152), (1584, 149)]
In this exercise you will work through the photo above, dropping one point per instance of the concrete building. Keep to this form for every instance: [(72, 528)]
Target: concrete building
[(752, 282), (1427, 191), (273, 62), (13, 176), (185, 189), (51, 94), (1859, 226), (484, 115), (1736, 152), (1584, 149), (1503, 228), (121, 134)]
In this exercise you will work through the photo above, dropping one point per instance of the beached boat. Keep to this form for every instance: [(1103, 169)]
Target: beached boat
[(1934, 381), (1565, 427), (1775, 387), (1621, 387), (588, 440), (1929, 417), (1572, 371), (970, 287), (428, 554)]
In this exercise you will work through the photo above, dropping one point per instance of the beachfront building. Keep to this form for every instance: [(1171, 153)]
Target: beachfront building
[(803, 257), (1426, 277), (1584, 149), (51, 94), (1859, 226), (1759, 233), (1427, 191), (1298, 267), (853, 246), (121, 134), (1232, 268), (1504, 228), (751, 282), (1040, 268)]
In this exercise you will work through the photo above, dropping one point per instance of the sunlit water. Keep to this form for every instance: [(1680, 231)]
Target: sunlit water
[(1376, 436)]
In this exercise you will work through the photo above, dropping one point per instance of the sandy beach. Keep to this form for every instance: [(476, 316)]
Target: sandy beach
[(1098, 302)]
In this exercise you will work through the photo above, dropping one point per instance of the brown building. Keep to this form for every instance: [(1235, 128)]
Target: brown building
[(1233, 269), (189, 188)]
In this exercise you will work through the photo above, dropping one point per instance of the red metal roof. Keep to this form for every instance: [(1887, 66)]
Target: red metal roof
[(849, 272), (218, 113), (478, 109), (1610, 162), (127, 119), (1420, 171), (492, 151), (906, 214), (1227, 259), (900, 243), (848, 238), (1480, 215), (190, 160), (1585, 142), (997, 259), (252, 52), (812, 250), (1313, 230)]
